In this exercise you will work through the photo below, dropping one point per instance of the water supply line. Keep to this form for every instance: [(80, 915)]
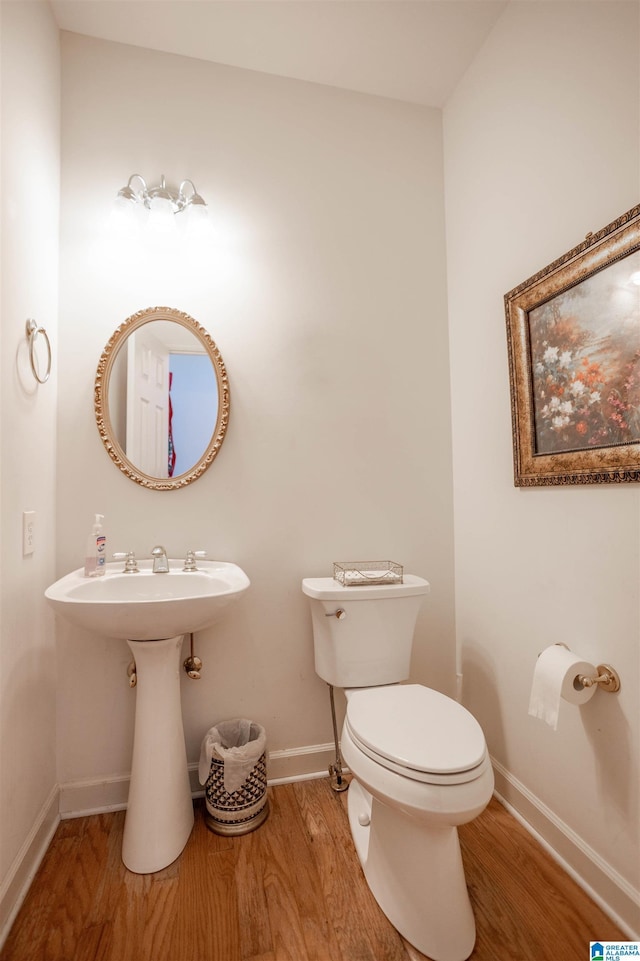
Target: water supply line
[(338, 782)]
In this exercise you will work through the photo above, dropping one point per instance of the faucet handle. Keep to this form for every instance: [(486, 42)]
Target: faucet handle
[(130, 564), (190, 560)]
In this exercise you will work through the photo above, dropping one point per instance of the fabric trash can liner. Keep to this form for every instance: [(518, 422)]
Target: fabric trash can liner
[(233, 768)]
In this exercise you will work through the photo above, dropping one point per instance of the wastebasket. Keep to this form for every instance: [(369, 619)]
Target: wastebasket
[(233, 766)]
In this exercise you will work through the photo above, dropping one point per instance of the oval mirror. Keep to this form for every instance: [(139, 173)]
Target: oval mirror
[(162, 398)]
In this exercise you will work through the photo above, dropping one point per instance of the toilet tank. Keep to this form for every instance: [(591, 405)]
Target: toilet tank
[(370, 642)]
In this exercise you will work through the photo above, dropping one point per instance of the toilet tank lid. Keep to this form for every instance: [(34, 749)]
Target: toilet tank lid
[(328, 589)]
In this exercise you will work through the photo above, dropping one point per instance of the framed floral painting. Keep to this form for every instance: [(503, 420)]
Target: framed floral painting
[(573, 333)]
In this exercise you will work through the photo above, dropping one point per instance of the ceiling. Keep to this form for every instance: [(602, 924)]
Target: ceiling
[(413, 50)]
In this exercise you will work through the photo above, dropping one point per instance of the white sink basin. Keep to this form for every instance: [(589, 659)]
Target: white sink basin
[(147, 606)]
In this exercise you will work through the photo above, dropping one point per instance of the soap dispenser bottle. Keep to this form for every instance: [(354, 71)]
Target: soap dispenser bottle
[(96, 553)]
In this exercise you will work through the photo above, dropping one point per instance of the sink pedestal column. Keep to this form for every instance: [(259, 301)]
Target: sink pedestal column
[(159, 815)]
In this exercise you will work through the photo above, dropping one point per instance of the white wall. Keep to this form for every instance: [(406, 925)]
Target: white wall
[(29, 263), (325, 292), (541, 146)]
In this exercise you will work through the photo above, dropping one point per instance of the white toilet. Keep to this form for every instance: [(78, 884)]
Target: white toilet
[(419, 761)]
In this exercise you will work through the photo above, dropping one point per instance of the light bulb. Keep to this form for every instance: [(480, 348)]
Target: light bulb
[(122, 213), (127, 214), (197, 219), (161, 215)]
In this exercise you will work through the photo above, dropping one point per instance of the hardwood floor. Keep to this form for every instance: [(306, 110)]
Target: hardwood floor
[(290, 891)]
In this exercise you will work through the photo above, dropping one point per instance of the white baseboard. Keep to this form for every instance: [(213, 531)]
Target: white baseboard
[(93, 796), (97, 795), (300, 763), (613, 893), (16, 884)]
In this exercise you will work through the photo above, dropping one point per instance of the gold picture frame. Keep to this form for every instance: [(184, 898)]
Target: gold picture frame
[(573, 335)]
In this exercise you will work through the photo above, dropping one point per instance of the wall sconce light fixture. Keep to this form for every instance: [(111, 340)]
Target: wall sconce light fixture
[(136, 203)]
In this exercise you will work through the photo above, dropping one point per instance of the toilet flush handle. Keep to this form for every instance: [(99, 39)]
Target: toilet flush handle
[(340, 614)]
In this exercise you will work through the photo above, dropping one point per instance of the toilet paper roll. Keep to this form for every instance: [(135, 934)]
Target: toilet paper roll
[(555, 678)]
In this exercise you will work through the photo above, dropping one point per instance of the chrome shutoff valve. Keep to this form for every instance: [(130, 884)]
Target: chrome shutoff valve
[(192, 664)]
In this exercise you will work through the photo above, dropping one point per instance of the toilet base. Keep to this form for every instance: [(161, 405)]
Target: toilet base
[(415, 872)]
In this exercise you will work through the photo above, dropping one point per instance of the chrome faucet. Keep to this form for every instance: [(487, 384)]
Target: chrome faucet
[(160, 562)]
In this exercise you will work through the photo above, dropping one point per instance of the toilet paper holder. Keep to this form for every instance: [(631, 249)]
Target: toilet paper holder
[(607, 677)]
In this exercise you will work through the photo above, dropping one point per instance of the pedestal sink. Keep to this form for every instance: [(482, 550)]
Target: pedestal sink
[(152, 612)]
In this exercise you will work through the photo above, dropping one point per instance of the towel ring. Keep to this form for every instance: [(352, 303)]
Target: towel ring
[(32, 335)]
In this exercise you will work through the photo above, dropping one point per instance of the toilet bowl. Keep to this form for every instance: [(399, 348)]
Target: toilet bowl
[(421, 768), (419, 762)]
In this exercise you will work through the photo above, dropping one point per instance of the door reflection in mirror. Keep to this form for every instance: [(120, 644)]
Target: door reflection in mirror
[(193, 409), (163, 399), (167, 398)]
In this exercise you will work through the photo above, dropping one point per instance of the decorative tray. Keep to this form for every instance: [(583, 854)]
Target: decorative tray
[(354, 573)]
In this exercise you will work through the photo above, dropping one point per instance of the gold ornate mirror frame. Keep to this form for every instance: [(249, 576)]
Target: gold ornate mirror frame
[(101, 398)]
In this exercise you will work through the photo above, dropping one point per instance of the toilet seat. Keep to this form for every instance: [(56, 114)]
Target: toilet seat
[(417, 732)]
